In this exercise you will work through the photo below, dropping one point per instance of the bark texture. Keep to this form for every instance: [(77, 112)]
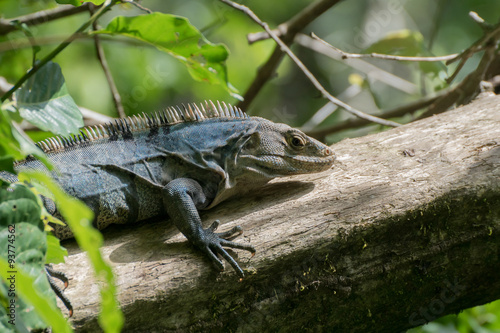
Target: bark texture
[(404, 229)]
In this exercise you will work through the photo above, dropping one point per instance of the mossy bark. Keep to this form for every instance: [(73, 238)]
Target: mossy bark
[(404, 229)]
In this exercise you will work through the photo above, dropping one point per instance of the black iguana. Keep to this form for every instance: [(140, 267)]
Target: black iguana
[(174, 163)]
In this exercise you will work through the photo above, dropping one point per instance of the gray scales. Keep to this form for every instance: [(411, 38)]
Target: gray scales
[(177, 162)]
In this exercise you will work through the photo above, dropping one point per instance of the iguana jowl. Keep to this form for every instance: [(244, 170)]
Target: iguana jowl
[(177, 162)]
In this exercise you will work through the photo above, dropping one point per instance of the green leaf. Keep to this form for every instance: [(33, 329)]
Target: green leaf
[(7, 163), (10, 149), (27, 290), (80, 2), (44, 101), (22, 258), (402, 42), (407, 43), (79, 217), (55, 252), (174, 35), (14, 147)]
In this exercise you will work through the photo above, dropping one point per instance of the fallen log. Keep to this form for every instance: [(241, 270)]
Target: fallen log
[(403, 229)]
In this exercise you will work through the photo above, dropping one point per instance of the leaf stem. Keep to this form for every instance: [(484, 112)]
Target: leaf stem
[(106, 6)]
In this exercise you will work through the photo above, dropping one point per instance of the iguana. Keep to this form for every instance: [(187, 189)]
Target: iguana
[(176, 162)]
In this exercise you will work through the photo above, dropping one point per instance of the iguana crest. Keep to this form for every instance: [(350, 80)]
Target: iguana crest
[(169, 116)]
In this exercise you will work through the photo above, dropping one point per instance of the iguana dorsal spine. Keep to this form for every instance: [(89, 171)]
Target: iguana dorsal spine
[(126, 126)]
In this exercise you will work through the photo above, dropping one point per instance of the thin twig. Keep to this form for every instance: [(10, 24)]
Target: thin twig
[(117, 99), (34, 48), (360, 65), (297, 22), (329, 108), (107, 5), (290, 29), (477, 46), (464, 92), (304, 69), (347, 55), (463, 60), (42, 17), (138, 5), (480, 21), (22, 43), (400, 111)]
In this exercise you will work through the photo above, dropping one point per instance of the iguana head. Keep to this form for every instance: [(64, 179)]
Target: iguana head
[(275, 150)]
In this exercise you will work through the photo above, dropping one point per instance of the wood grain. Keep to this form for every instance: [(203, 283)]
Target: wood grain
[(403, 229)]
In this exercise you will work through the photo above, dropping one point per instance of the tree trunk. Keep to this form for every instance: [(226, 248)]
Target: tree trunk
[(403, 229)]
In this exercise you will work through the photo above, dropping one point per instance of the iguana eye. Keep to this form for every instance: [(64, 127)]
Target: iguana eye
[(297, 141)]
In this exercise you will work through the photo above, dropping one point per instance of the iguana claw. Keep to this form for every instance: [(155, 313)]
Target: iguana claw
[(212, 244), (50, 272)]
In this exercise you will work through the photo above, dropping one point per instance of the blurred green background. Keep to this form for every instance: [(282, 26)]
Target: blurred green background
[(151, 80)]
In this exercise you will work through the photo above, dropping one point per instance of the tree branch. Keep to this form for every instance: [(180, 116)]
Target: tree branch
[(264, 74), (466, 90), (293, 26), (117, 99), (353, 123), (288, 31), (22, 43), (490, 34), (43, 16), (306, 71), (347, 55)]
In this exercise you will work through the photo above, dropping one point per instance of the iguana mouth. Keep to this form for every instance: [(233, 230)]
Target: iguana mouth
[(275, 164)]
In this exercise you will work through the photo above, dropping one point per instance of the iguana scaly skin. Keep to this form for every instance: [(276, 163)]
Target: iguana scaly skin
[(175, 163)]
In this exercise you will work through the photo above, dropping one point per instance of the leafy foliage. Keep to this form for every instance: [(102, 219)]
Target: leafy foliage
[(55, 252), (45, 102), (407, 43), (176, 36), (483, 319), (13, 146), (23, 247), (79, 217)]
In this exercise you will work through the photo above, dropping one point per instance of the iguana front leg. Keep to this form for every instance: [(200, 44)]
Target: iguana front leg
[(50, 273), (182, 198)]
